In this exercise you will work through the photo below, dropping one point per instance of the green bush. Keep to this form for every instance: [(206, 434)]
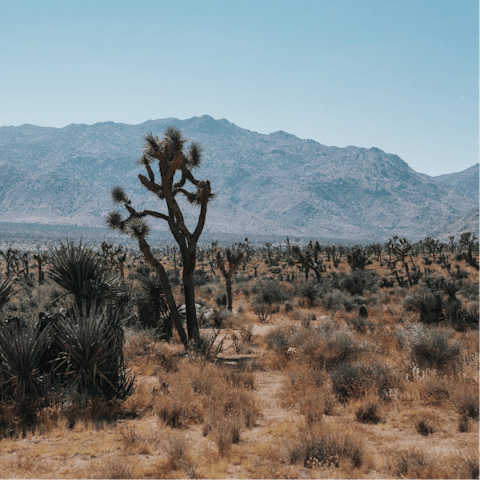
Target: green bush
[(433, 347), (356, 379)]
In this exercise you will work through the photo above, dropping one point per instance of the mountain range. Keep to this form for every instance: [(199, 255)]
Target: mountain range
[(274, 184)]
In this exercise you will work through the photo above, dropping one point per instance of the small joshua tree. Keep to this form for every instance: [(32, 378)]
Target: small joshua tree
[(233, 259), (169, 156)]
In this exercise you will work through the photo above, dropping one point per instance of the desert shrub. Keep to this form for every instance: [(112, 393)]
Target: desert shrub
[(236, 407), (96, 412), (221, 299), (179, 410), (436, 388), (412, 464), (426, 425), (384, 282), (200, 278), (241, 278), (177, 449), (227, 432), (470, 291), (312, 407), (326, 447), (326, 345), (361, 324), (466, 400), (278, 339), (360, 280), (338, 300), (310, 290), (357, 379), (464, 424), (368, 413), (240, 378), (433, 347), (429, 306), (268, 291), (116, 467)]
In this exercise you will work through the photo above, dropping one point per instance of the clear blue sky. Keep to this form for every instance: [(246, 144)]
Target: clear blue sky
[(399, 75)]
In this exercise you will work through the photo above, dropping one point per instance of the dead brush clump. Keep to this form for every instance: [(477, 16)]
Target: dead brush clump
[(148, 354), (309, 387), (412, 463), (369, 412), (94, 412), (138, 442), (466, 399), (326, 446), (228, 410), (313, 407), (141, 402), (177, 449), (10, 419), (426, 423), (178, 406), (435, 389), (117, 467), (240, 378)]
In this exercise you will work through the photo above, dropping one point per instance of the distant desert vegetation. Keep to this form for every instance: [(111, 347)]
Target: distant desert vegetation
[(333, 362)]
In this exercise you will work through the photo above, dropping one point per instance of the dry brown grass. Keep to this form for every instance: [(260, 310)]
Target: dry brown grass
[(275, 407)]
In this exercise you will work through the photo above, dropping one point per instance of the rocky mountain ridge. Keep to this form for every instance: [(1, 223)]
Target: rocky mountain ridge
[(266, 184)]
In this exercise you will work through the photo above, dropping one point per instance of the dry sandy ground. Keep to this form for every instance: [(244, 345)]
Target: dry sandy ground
[(91, 453)]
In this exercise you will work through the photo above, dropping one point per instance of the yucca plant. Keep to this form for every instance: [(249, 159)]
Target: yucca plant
[(93, 351), (81, 271), (6, 292), (152, 307), (22, 346)]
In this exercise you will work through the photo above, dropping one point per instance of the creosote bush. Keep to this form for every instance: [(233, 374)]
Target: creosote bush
[(433, 347), (354, 380), (323, 446)]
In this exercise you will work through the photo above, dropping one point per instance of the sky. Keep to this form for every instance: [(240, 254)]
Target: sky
[(402, 76)]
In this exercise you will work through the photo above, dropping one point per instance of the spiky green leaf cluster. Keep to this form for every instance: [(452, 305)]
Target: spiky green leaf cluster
[(80, 271), (6, 292), (136, 227), (114, 220), (93, 342), (21, 348), (119, 196)]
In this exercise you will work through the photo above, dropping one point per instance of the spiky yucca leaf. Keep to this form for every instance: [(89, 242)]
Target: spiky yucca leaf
[(194, 155), (114, 220), (6, 292), (93, 343), (21, 348), (152, 142), (79, 270), (137, 226), (119, 196), (174, 139)]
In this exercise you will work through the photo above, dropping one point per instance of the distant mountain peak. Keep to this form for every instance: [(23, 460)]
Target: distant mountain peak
[(284, 135)]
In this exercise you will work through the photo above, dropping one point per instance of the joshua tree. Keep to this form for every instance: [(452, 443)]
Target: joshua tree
[(40, 258), (307, 262), (233, 259), (168, 153)]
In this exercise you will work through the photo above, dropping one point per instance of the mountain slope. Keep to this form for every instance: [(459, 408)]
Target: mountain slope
[(466, 181), (266, 184)]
